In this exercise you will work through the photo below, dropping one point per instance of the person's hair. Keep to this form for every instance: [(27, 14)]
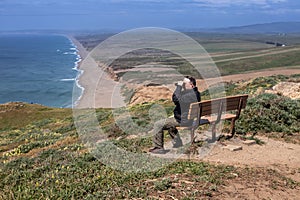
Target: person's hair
[(192, 79)]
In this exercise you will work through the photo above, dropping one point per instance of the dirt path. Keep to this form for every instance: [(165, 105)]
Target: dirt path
[(204, 84), (273, 154), (259, 167)]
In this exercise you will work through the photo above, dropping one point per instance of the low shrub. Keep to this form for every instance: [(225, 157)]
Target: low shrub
[(270, 113)]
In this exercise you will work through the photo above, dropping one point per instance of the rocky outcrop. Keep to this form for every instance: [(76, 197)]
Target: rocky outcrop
[(289, 89)]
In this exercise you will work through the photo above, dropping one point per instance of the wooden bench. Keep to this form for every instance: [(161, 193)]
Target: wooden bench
[(215, 110)]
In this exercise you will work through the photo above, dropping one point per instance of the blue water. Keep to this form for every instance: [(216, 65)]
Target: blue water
[(37, 69)]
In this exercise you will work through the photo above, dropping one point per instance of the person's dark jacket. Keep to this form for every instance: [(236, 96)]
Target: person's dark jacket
[(182, 101)]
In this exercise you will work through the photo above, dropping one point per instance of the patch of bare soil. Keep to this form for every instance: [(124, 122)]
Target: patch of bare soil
[(258, 183), (277, 154), (150, 93), (266, 170)]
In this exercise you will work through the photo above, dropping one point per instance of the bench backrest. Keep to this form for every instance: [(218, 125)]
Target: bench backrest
[(215, 106)]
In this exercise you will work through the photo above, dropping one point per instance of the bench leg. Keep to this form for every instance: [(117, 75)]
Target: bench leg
[(192, 135), (232, 129), (213, 131)]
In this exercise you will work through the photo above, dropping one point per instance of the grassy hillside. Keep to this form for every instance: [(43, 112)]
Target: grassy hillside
[(42, 157)]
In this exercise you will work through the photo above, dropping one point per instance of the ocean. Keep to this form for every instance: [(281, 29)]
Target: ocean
[(38, 68)]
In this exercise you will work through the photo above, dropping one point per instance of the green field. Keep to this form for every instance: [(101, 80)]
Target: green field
[(231, 53)]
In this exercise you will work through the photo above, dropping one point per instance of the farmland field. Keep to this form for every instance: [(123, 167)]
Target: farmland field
[(231, 53)]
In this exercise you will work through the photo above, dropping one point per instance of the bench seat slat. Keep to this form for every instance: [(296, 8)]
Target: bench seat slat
[(213, 118)]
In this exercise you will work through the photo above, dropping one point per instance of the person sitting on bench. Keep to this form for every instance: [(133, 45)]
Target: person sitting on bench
[(185, 93)]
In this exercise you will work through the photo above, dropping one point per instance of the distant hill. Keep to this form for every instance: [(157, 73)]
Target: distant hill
[(263, 28), (276, 27)]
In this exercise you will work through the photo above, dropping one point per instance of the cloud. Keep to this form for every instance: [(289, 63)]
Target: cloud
[(147, 6), (211, 3), (189, 4), (228, 2), (219, 3), (282, 11), (37, 2)]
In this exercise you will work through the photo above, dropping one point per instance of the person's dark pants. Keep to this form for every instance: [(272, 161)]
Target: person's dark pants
[(159, 127)]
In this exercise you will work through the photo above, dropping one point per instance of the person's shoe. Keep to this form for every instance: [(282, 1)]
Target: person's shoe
[(157, 150), (177, 142)]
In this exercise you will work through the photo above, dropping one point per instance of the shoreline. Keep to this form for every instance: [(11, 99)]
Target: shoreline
[(81, 50), (98, 89), (82, 54)]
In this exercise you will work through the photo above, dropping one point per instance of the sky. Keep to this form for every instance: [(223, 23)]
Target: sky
[(128, 14)]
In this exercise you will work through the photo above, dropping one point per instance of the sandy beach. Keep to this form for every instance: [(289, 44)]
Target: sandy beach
[(100, 91)]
